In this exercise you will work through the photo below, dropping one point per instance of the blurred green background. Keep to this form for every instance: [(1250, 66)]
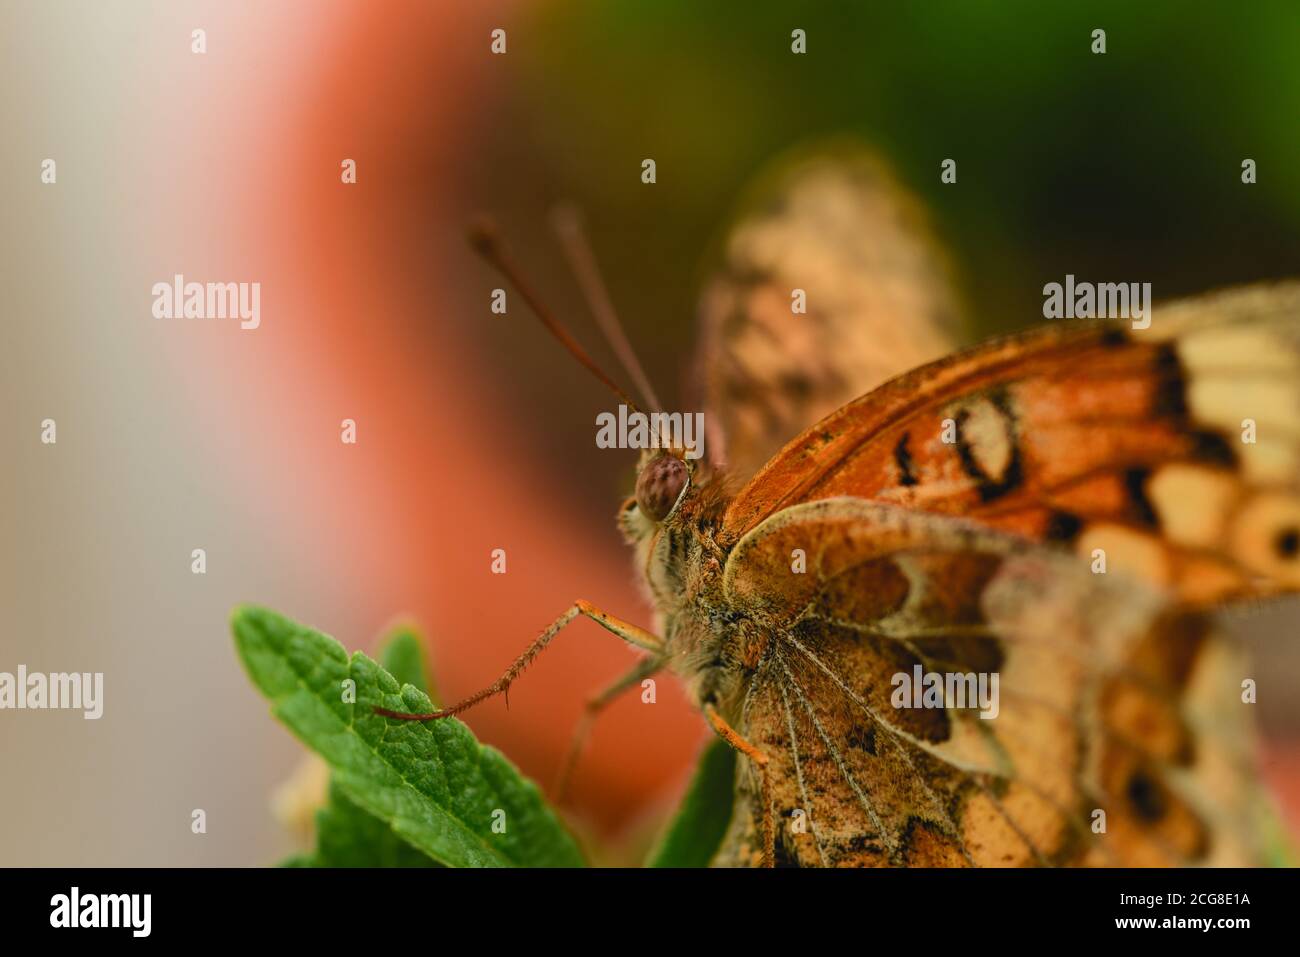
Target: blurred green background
[(1122, 165)]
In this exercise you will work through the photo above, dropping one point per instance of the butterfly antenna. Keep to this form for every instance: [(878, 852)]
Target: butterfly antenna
[(567, 224), (486, 241)]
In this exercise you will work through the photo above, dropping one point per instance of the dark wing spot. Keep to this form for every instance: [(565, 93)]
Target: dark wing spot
[(903, 459), (965, 653), (863, 737), (1135, 481), (1212, 449), (1171, 385), (1145, 797), (1287, 543), (1114, 337), (1062, 527), (784, 852)]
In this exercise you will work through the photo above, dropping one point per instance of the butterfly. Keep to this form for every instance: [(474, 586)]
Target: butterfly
[(1056, 511)]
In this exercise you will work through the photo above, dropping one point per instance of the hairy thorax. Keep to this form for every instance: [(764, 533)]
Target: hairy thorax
[(711, 645)]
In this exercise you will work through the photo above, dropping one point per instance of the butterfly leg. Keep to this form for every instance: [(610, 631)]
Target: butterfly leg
[(733, 738), (625, 630), (595, 704)]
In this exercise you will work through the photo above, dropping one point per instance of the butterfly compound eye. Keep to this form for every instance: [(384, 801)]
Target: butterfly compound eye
[(658, 486)]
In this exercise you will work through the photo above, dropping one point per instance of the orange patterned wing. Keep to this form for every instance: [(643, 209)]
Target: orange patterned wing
[(837, 229), (1173, 452), (1115, 733)]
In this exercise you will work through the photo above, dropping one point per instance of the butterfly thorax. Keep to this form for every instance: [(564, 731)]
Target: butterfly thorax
[(709, 643)]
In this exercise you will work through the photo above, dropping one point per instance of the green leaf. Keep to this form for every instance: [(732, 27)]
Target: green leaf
[(403, 658), (346, 834), (1278, 848), (349, 836), (432, 782), (298, 860), (695, 833)]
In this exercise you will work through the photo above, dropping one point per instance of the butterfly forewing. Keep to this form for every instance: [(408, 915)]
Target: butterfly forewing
[(1173, 450)]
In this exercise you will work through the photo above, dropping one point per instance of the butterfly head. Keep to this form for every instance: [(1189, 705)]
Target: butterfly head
[(663, 480)]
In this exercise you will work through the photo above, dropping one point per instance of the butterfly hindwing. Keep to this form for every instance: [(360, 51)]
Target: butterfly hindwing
[(1091, 713)]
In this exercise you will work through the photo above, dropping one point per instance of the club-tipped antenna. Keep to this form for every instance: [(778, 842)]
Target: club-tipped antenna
[(485, 239), (567, 223)]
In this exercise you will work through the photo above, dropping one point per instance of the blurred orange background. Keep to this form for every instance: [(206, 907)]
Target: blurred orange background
[(373, 291), (175, 435)]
